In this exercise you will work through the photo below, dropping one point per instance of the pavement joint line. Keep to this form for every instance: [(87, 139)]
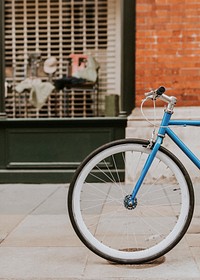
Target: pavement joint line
[(44, 200)]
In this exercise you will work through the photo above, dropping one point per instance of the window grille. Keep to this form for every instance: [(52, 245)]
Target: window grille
[(58, 28)]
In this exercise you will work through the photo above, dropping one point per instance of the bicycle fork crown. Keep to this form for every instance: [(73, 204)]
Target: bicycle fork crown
[(129, 203)]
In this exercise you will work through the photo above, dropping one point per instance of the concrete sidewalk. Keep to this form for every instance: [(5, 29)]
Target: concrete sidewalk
[(38, 242)]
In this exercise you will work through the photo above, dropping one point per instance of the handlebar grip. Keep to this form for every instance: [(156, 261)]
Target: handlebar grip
[(160, 90)]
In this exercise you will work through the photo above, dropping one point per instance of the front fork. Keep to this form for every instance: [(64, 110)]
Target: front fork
[(130, 201)]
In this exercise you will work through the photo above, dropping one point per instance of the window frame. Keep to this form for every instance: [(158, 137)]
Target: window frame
[(128, 29)]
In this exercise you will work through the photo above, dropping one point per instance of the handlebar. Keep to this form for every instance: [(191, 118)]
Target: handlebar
[(159, 93), (156, 92)]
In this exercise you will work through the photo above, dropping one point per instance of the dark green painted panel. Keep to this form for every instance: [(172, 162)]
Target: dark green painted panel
[(2, 148), (49, 151), (53, 147), (35, 176)]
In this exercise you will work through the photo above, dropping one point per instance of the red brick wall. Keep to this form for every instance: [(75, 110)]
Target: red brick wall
[(168, 48)]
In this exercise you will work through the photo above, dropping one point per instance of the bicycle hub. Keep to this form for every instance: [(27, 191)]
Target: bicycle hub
[(128, 203)]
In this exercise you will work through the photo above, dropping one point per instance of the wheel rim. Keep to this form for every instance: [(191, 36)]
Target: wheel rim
[(138, 246)]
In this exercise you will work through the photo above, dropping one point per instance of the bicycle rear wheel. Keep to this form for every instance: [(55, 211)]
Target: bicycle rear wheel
[(97, 202)]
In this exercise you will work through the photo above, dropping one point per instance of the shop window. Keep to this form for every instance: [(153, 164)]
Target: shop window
[(38, 32)]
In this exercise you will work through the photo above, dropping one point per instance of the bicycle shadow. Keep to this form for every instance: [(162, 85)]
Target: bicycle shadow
[(147, 265)]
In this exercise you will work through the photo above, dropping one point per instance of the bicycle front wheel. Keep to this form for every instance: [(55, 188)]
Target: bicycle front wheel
[(99, 212)]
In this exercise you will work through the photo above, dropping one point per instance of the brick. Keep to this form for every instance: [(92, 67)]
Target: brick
[(144, 7), (168, 48)]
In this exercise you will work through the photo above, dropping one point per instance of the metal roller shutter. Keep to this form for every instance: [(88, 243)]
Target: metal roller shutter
[(59, 28)]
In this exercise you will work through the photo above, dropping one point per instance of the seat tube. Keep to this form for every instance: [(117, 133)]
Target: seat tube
[(156, 146)]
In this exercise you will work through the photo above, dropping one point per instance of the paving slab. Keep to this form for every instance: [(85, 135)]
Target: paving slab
[(37, 242), (42, 262), (43, 230), (24, 199)]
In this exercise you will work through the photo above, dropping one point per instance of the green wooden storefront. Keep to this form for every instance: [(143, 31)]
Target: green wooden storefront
[(50, 150)]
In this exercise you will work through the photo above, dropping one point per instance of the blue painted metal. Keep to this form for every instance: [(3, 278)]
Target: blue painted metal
[(164, 123), (146, 167), (183, 147), (164, 129), (185, 122)]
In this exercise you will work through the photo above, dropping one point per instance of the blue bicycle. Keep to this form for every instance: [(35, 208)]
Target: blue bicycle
[(131, 201)]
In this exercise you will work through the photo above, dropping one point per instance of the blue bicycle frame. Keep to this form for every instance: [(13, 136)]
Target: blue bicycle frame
[(163, 130)]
